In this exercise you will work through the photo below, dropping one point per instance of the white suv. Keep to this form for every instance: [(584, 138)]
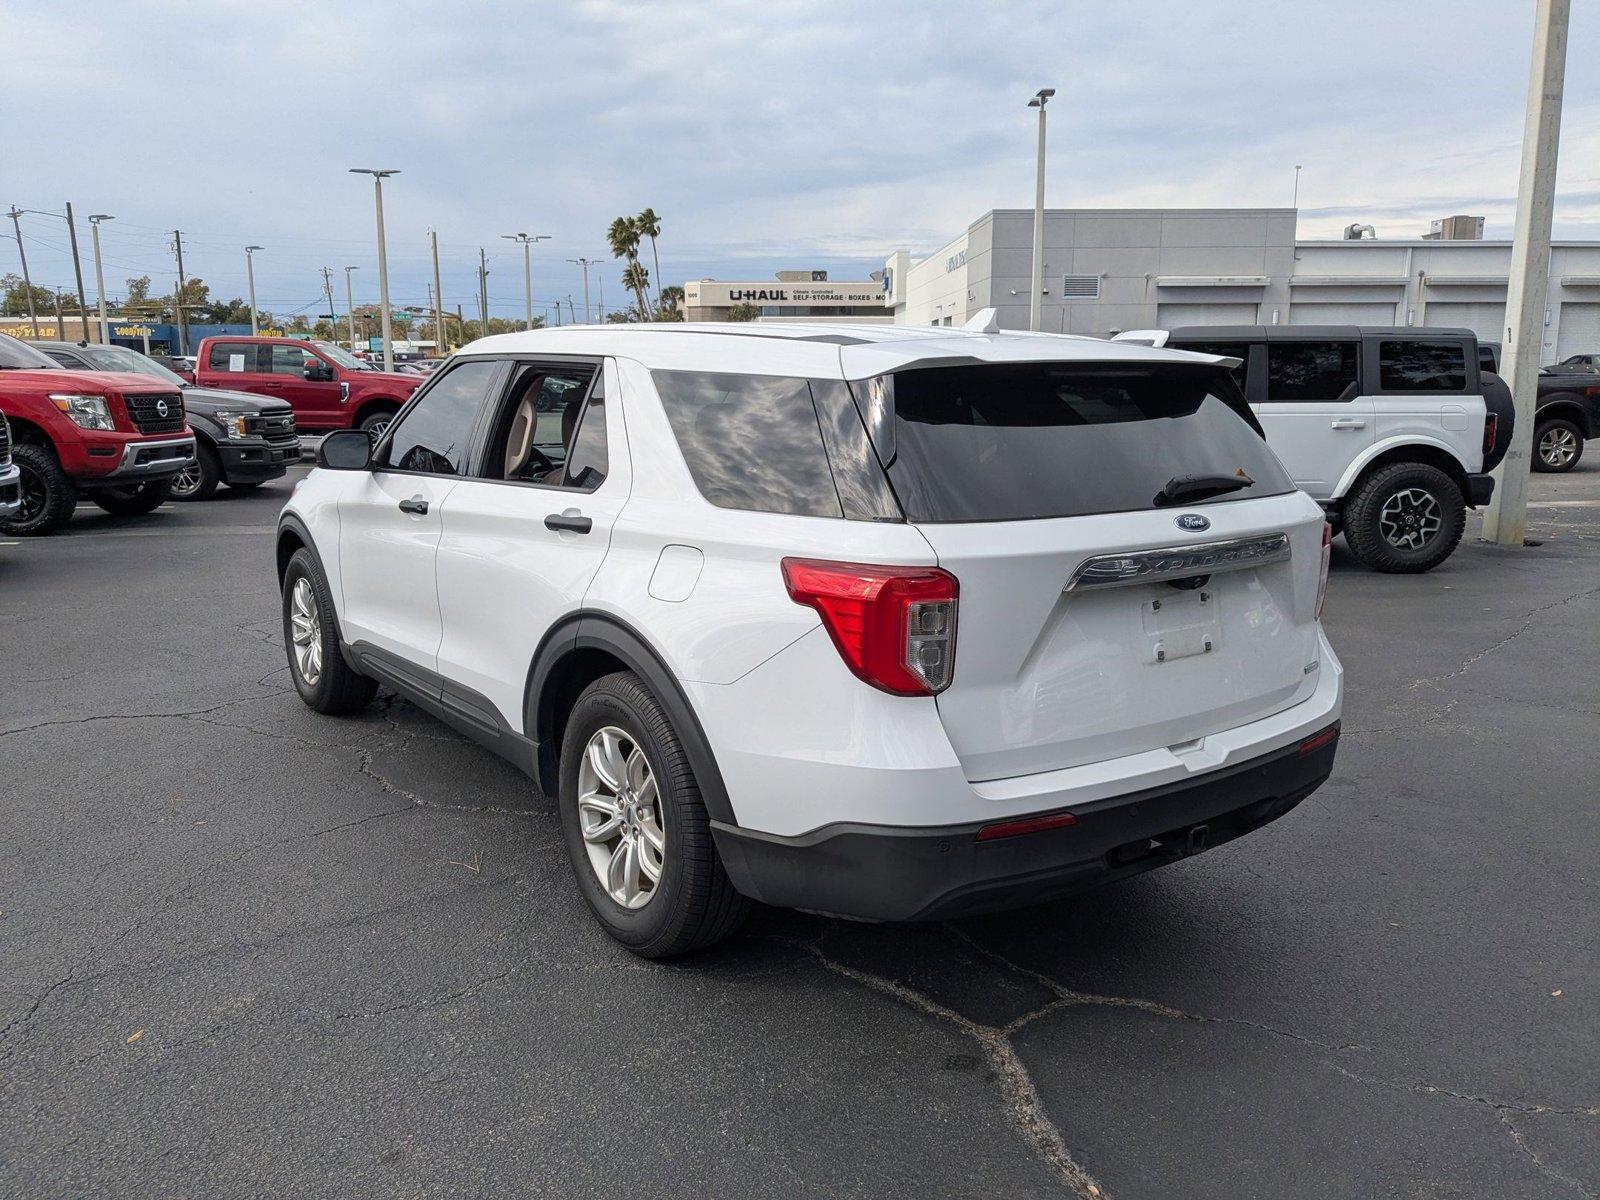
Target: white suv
[(887, 622)]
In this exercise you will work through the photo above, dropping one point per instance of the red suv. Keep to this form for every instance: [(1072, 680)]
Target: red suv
[(328, 387), (118, 438)]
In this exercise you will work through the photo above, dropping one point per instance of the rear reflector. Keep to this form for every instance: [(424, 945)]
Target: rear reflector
[(1491, 430), (1318, 740), (1027, 825), (1322, 571)]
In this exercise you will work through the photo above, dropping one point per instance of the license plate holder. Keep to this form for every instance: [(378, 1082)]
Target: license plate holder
[(1181, 624)]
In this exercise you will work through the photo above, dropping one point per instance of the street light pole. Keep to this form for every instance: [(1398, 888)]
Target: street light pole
[(378, 176), (100, 275), (250, 274), (1505, 520), (527, 268), (350, 305), (438, 294), (1040, 99), (77, 270), (1295, 203), (585, 263)]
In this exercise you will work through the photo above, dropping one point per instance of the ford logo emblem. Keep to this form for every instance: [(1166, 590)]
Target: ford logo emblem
[(161, 408), (1193, 523)]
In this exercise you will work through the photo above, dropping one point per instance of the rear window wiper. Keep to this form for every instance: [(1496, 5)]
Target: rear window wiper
[(1180, 489)]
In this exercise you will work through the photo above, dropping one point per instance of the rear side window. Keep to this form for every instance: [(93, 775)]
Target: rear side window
[(751, 441), (1422, 367), (1239, 350), (232, 356), (1031, 440), (1310, 371)]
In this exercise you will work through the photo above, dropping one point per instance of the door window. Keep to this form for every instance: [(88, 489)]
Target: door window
[(1311, 371), (1422, 366), (544, 432), (288, 360), (432, 436), (238, 357)]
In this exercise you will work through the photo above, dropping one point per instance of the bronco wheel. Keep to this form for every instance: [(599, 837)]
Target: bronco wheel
[(199, 478), (48, 496), (311, 639), (1404, 518), (136, 499), (1557, 445), (636, 829)]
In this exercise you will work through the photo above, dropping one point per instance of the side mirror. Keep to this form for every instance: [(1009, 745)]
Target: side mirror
[(318, 372), (345, 450)]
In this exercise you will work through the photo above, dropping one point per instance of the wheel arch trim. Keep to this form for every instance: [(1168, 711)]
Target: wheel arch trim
[(1353, 473)]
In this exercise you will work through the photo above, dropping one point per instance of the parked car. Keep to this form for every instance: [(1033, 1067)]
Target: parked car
[(327, 387), (1567, 415), (180, 365), (240, 440), (1070, 632), (1581, 362), (117, 438), (1386, 427), (10, 475)]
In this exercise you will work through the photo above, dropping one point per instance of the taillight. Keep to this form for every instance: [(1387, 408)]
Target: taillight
[(1491, 427), (1322, 571), (895, 627)]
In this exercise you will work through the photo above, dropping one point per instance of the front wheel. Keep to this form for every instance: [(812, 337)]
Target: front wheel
[(1557, 445), (636, 829), (311, 639), (1405, 518), (136, 499), (198, 479), (48, 495)]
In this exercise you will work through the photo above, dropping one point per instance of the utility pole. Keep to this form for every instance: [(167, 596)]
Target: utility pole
[(183, 322), (1506, 519), (77, 269), (1036, 293), (27, 282), (333, 313), (99, 275), (483, 293), (383, 262), (350, 304), (438, 292), (250, 273), (600, 288), (585, 263), (572, 312), (61, 325)]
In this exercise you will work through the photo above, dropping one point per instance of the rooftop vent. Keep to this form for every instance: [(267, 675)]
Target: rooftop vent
[(1359, 233)]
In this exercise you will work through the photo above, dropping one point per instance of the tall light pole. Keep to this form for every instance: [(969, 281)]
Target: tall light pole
[(527, 267), (378, 176), (100, 275), (350, 305), (438, 295), (1295, 203), (27, 281), (585, 263), (1040, 99), (1505, 520), (250, 274)]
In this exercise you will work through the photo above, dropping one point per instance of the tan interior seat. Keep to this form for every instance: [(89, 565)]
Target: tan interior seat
[(519, 442)]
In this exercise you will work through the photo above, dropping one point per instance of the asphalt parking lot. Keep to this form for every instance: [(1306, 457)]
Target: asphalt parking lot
[(250, 951)]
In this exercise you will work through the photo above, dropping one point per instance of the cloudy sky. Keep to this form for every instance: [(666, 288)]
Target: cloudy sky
[(785, 133)]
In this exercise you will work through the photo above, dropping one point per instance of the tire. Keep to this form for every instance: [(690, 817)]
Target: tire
[(328, 685), (375, 423), (200, 478), (1557, 445), (136, 499), (692, 903), (1404, 518), (48, 495)]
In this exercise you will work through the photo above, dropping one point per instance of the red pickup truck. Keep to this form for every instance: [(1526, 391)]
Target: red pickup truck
[(119, 439), (327, 386)]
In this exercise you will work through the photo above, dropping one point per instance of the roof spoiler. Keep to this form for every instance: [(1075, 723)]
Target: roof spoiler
[(985, 320), (1144, 337)]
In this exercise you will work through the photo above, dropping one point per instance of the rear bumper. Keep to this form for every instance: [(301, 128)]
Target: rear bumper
[(247, 462), (1479, 489), (896, 873), (10, 490)]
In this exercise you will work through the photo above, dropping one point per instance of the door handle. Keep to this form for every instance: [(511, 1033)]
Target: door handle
[(571, 522), (1349, 423), (416, 505)]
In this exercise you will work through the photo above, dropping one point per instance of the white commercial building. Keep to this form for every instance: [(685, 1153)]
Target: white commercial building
[(1113, 269), (788, 296)]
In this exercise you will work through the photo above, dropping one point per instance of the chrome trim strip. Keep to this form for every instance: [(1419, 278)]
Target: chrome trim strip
[(1179, 562)]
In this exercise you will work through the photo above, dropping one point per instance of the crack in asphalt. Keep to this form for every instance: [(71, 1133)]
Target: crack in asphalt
[(143, 716), (1527, 625), (1576, 1185)]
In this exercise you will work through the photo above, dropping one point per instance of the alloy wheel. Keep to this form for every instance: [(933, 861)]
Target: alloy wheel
[(619, 814), (1558, 447), (1410, 518), (35, 494), (187, 480), (305, 625)]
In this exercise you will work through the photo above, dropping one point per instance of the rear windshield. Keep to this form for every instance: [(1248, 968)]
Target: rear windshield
[(1030, 440)]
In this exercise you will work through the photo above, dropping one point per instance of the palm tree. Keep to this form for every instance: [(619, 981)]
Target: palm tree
[(669, 299), (649, 225), (635, 276), (624, 238)]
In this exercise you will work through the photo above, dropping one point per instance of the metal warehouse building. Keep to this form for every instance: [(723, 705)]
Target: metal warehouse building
[(1113, 269)]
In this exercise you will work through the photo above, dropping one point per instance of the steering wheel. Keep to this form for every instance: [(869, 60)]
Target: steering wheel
[(535, 453)]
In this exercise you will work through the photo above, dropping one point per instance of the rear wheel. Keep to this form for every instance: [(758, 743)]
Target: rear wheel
[(199, 478), (1405, 518), (376, 422), (311, 640), (48, 496), (1557, 445), (136, 499), (636, 829)]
